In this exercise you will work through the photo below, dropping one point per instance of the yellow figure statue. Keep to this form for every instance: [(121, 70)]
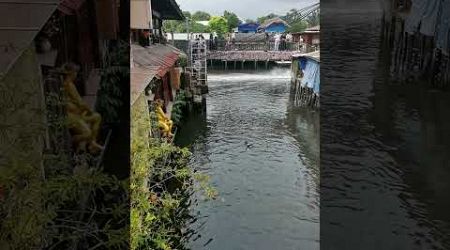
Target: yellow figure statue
[(164, 123), (83, 123)]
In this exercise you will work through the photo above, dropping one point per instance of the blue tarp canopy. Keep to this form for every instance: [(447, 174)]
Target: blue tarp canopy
[(311, 73), (248, 28), (276, 28)]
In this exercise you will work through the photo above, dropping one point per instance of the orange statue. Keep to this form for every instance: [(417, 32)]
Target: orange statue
[(164, 123), (83, 123)]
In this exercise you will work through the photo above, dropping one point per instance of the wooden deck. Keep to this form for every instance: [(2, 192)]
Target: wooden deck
[(259, 55)]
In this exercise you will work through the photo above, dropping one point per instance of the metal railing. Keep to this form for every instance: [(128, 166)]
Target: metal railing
[(260, 46), (254, 45)]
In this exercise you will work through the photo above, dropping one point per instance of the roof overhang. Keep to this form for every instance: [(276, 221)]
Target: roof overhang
[(20, 23), (315, 56), (168, 9)]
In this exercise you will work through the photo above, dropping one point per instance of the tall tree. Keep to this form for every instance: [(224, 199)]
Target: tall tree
[(198, 28), (264, 18), (201, 16), (232, 20), (187, 14), (218, 24), (298, 26), (314, 18)]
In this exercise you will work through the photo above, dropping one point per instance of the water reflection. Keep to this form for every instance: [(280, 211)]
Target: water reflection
[(385, 161)]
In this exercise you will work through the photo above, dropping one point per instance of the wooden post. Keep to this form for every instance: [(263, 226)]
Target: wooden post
[(255, 65), (267, 64), (242, 64), (235, 65), (226, 65)]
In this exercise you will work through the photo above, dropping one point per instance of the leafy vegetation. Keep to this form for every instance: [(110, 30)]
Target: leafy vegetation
[(293, 17), (232, 20), (114, 79), (161, 181), (218, 24), (201, 16), (266, 17), (179, 107), (53, 200)]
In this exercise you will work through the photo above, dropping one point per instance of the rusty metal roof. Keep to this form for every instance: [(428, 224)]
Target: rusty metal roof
[(20, 23), (148, 63), (140, 77)]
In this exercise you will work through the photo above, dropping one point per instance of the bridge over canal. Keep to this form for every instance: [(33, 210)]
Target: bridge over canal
[(241, 57)]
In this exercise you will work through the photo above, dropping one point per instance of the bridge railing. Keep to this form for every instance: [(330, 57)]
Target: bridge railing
[(253, 46), (261, 46)]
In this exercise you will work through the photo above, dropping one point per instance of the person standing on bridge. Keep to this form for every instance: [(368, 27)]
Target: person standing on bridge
[(277, 42)]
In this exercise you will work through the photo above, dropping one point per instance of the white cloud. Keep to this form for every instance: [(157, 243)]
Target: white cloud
[(244, 8)]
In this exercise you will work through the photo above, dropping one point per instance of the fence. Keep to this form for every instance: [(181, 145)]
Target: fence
[(254, 45)]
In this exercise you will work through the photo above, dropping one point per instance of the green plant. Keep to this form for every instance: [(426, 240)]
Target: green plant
[(182, 60), (114, 82), (232, 20), (178, 107), (218, 24), (161, 180)]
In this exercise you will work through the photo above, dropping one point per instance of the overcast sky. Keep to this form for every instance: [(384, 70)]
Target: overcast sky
[(244, 8)]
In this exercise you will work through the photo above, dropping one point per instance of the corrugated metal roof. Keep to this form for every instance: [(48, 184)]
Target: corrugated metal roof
[(314, 28), (20, 23), (315, 55), (271, 21), (149, 62), (140, 77)]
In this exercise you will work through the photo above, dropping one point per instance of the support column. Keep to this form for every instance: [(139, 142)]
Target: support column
[(226, 65), (256, 65), (234, 65)]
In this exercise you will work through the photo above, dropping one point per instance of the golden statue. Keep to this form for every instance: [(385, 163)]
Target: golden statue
[(83, 123), (164, 123)]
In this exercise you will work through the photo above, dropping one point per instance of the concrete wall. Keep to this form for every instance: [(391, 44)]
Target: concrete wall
[(140, 14)]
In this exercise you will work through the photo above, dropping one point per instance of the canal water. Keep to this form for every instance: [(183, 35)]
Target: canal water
[(262, 155), (385, 161)]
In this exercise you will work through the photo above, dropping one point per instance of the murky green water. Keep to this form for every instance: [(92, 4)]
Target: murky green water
[(262, 155)]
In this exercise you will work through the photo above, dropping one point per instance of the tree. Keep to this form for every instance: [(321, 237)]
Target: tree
[(197, 28), (218, 24), (174, 26), (298, 26), (232, 20), (264, 18), (187, 14), (292, 16), (314, 18), (200, 16)]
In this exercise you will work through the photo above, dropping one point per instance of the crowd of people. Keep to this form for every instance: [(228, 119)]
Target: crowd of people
[(273, 42), (281, 41)]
